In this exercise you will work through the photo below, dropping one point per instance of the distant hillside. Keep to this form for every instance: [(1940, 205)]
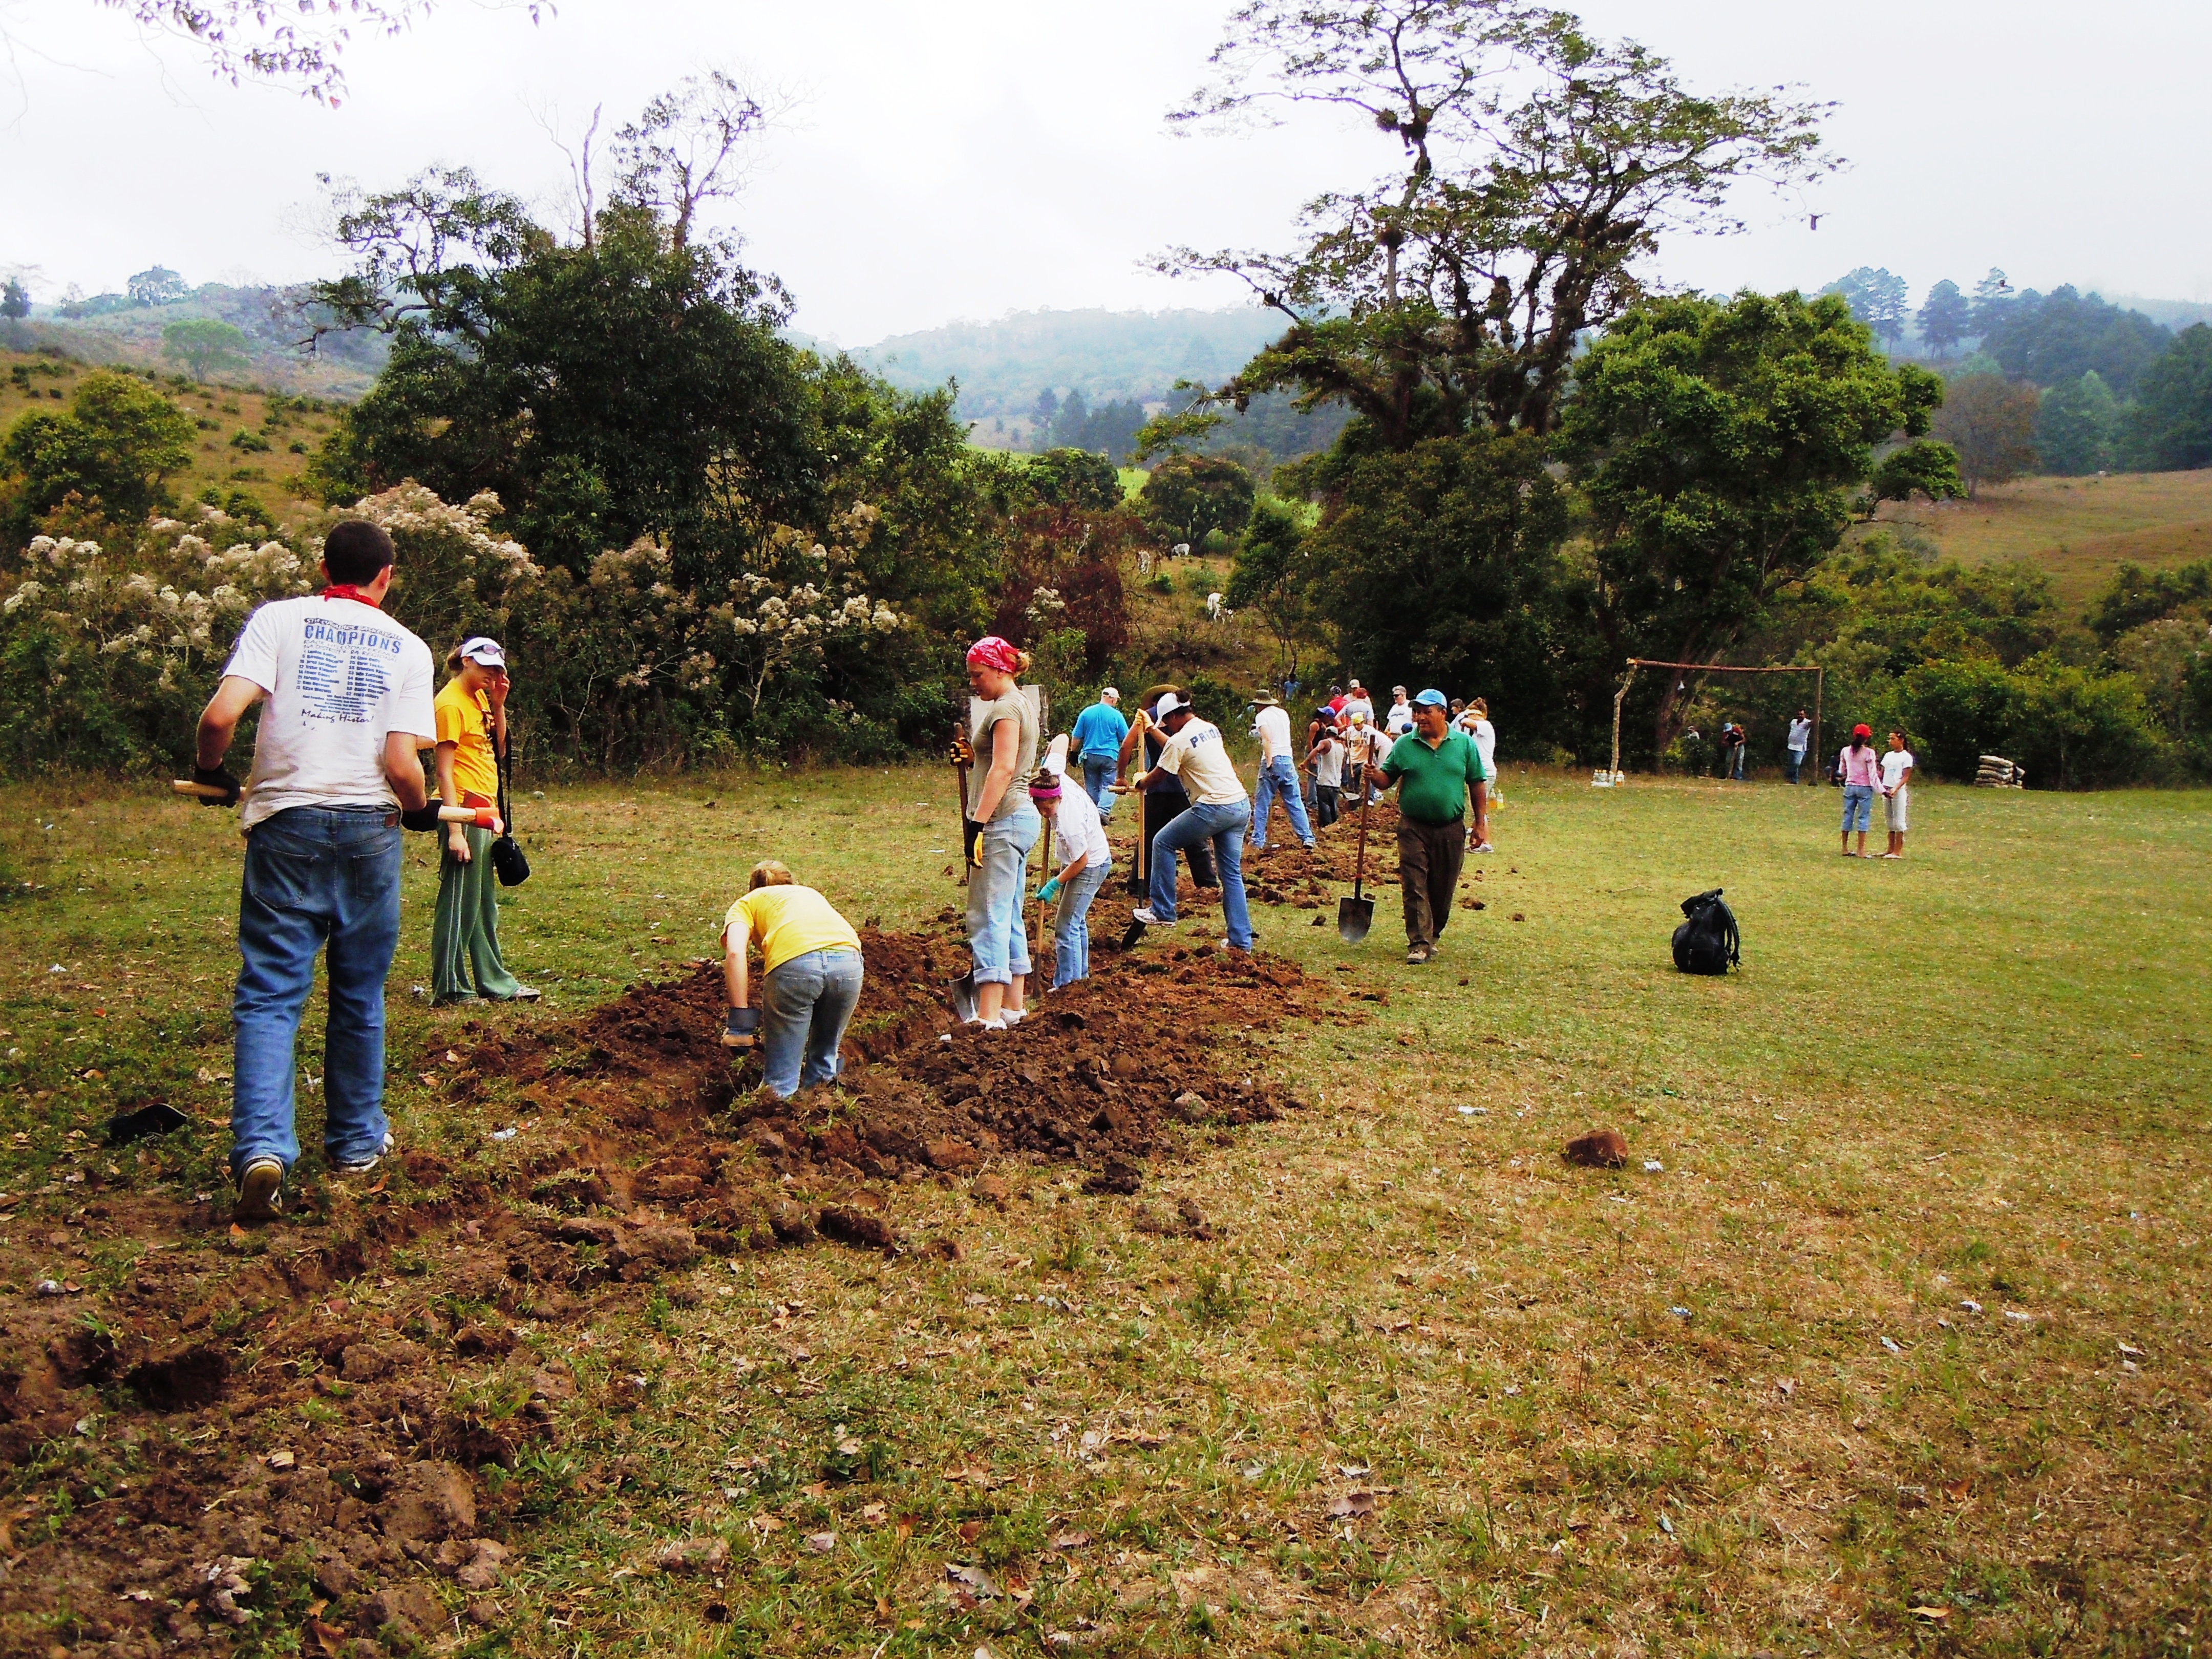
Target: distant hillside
[(124, 329), (1107, 356), (2176, 314)]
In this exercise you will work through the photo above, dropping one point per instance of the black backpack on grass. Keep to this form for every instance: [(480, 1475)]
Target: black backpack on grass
[(1707, 943)]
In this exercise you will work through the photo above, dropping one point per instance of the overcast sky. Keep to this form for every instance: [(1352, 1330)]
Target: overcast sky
[(971, 157)]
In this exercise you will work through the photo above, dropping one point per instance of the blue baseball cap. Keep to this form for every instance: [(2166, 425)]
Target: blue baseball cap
[(1434, 699)]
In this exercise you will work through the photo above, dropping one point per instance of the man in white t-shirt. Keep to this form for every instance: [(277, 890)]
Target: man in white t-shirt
[(1896, 792), (337, 771), (1278, 772), (1218, 812), (1399, 719), (1364, 746), (1357, 701), (1801, 739)]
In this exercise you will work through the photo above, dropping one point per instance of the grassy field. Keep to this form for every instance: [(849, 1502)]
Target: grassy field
[(1890, 1338), (2081, 529), (270, 474)]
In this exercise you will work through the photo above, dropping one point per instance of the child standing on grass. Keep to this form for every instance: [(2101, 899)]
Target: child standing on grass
[(1896, 775), (1861, 774)]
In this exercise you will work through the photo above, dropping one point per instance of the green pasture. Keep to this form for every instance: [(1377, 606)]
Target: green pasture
[(1730, 1404)]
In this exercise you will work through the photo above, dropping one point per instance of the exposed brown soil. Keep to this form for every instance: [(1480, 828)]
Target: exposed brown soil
[(245, 1450)]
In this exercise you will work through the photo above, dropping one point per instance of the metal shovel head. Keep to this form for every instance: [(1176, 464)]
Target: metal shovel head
[(1354, 916), (1131, 934), (961, 993)]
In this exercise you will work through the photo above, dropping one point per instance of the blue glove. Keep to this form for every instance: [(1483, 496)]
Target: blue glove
[(1049, 891), (742, 1026)]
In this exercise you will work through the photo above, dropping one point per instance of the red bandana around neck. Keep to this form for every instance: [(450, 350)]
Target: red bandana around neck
[(349, 591)]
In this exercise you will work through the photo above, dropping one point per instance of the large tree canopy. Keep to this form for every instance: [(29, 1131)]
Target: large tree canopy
[(1717, 443), (1539, 165)]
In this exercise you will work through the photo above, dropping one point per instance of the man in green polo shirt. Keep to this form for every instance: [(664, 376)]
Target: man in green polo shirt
[(1439, 768)]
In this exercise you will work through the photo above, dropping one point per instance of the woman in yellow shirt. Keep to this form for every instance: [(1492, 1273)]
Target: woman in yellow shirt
[(811, 971), (472, 719)]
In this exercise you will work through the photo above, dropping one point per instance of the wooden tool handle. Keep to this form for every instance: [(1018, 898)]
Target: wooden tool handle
[(197, 790), (1359, 860), (477, 817)]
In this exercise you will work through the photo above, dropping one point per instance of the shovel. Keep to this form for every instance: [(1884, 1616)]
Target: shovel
[(1135, 930), (480, 817), (1355, 916)]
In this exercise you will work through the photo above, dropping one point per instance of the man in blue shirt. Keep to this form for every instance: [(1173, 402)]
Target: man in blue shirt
[(1097, 737)]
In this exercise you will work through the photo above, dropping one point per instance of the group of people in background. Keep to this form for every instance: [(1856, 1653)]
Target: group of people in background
[(1345, 745)]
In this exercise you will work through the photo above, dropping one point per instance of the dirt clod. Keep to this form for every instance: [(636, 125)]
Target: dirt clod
[(1601, 1149)]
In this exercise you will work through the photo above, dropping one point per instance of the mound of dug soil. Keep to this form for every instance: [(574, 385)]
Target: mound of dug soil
[(285, 1430)]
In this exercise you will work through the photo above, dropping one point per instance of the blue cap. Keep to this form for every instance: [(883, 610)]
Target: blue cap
[(1434, 699)]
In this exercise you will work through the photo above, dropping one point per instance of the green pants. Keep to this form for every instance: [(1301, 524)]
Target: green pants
[(464, 932)]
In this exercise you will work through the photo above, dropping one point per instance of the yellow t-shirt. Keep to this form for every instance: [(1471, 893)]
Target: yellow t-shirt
[(789, 921), (465, 721)]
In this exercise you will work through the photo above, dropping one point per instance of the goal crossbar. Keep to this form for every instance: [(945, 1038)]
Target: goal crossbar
[(1819, 683)]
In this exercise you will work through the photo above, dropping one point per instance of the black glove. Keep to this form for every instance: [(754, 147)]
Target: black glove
[(744, 1022), (971, 842), (222, 780), (424, 816)]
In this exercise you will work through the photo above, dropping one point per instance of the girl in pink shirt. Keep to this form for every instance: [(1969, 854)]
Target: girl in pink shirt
[(1861, 768)]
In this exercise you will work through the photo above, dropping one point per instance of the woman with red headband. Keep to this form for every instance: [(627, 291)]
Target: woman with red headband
[(1002, 825)]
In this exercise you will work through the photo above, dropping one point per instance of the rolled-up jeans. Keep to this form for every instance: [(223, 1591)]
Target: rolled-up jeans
[(805, 1004), (1278, 777), (1796, 764), (1224, 827), (325, 879), (1858, 803), (1098, 782), (1071, 926), (995, 932)]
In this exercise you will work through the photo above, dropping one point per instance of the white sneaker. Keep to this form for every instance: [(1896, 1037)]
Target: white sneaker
[(1010, 1017), (1144, 913), (363, 1166)]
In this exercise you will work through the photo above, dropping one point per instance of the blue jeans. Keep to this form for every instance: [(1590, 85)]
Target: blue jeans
[(1796, 764), (805, 1004), (995, 932), (1276, 778), (1859, 800), (316, 879), (1224, 827), (1098, 783), (1071, 930), (1742, 761)]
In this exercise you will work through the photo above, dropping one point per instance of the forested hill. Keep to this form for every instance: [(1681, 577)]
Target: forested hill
[(1107, 356)]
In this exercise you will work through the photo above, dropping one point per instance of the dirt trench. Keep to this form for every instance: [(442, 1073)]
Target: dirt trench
[(227, 1444)]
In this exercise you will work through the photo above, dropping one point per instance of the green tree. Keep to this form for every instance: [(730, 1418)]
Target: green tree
[(1876, 297), (1945, 317), (1074, 477), (1924, 467), (1275, 574), (2172, 427), (2077, 425), (2046, 338), (1188, 497), (157, 285), (1539, 165), (15, 299), (1442, 562), (116, 447), (1717, 443), (205, 346), (1990, 422)]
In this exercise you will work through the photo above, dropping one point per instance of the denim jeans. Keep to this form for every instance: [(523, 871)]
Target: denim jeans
[(805, 1004), (316, 879), (1796, 764), (1224, 827), (1858, 801), (1097, 783), (995, 932), (1276, 778), (1071, 930)]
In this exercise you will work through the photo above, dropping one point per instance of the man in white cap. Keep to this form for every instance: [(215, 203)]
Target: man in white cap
[(1271, 726), (1219, 811), (1097, 739)]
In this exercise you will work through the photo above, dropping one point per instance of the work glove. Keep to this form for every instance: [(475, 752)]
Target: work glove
[(424, 816), (222, 780), (961, 752), (738, 1032), (971, 834), (1049, 891)]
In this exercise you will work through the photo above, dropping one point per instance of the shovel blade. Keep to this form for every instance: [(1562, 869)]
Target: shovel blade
[(1131, 934), (1354, 916), (961, 993)]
